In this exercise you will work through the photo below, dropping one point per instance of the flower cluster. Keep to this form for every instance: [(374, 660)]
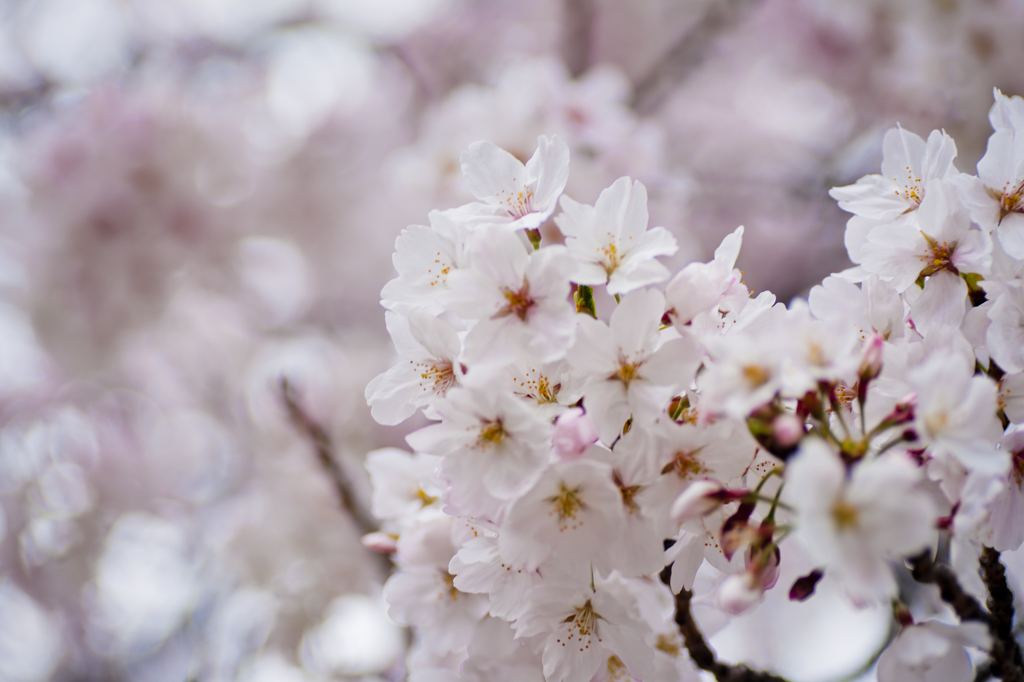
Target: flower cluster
[(598, 422)]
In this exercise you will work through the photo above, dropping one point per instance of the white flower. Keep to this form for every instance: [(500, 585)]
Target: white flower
[(1003, 529), (524, 196), (1011, 397), (492, 445), (873, 307), (424, 592), (996, 196), (429, 349), (584, 626), (519, 300), (687, 455), (1005, 335), (714, 288), (403, 483), (939, 240), (573, 512), (628, 373), (855, 524), (425, 257), (908, 165), (610, 241), (956, 412), (479, 568)]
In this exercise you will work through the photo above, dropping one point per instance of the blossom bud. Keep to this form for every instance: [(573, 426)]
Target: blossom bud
[(739, 592), (787, 430), (574, 433), (871, 361), (382, 543), (804, 586), (699, 498), (766, 568)]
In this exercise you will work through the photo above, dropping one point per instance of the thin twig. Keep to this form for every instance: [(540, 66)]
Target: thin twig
[(689, 53), (698, 648), (325, 453)]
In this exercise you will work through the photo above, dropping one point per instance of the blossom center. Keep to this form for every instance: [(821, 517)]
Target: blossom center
[(566, 502), (517, 302), (1017, 470), (668, 645), (685, 465), (610, 258), (449, 589), (436, 378), (756, 376), (540, 388), (517, 203), (1011, 200), (585, 620), (491, 433), (940, 258), (626, 372), (912, 190), (845, 515)]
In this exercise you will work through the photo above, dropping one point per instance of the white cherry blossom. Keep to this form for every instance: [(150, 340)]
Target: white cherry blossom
[(519, 300), (429, 348), (629, 371), (584, 625), (908, 165), (492, 444), (569, 516), (855, 524), (610, 241), (524, 196)]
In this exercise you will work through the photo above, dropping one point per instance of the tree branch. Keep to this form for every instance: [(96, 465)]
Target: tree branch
[(689, 53), (698, 648), (1005, 658), (315, 433), (1000, 603)]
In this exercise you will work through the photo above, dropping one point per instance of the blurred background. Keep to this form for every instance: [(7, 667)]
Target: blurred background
[(199, 198)]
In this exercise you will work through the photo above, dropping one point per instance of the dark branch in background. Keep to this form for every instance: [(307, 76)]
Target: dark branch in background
[(325, 453), (1005, 652), (577, 32), (699, 650), (689, 53)]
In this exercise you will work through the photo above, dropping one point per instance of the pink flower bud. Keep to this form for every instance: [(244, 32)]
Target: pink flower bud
[(768, 573), (871, 361), (787, 429), (739, 592), (699, 498), (573, 434), (382, 543)]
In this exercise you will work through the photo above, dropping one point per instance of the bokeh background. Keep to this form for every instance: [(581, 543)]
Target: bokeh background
[(199, 199)]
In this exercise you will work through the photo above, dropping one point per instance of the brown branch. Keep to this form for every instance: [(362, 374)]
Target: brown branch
[(325, 453), (1005, 658), (698, 648), (1000, 603)]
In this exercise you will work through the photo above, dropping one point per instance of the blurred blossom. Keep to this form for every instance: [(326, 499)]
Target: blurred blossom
[(147, 582), (240, 626), (30, 639), (356, 638), (76, 41)]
